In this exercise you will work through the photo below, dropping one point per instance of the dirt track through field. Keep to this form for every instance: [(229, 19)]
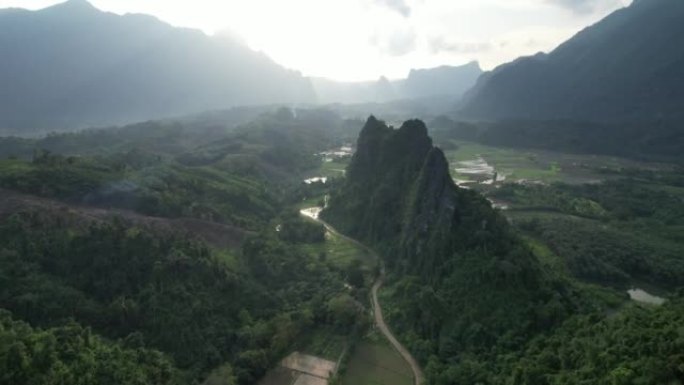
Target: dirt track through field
[(418, 378)]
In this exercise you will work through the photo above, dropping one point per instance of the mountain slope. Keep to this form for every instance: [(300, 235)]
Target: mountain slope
[(462, 280), (398, 188), (160, 235), (628, 66), (72, 65)]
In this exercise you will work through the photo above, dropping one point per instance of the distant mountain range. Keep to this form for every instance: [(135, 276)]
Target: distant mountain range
[(445, 82), (72, 66), (627, 67)]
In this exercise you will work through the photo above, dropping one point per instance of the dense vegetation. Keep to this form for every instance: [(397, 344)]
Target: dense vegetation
[(167, 292), (625, 68), (637, 346), (623, 232), (71, 354), (177, 169), (461, 281), (473, 300), (477, 303), (127, 289), (144, 183), (617, 232), (660, 141)]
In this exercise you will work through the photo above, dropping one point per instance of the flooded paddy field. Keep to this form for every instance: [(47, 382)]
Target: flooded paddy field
[(473, 163)]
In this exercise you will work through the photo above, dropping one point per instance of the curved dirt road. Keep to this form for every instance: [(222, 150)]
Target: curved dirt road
[(418, 378)]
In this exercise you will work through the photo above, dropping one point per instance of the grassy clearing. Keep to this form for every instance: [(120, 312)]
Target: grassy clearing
[(374, 362), (14, 166), (311, 202), (229, 259), (546, 256), (334, 169), (341, 253), (325, 343)]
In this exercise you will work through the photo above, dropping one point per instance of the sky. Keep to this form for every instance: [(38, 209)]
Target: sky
[(354, 40)]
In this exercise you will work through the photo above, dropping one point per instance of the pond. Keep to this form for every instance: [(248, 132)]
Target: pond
[(311, 212), (477, 166), (317, 179), (476, 171), (337, 153)]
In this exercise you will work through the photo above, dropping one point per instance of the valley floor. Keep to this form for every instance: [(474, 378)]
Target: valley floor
[(376, 359)]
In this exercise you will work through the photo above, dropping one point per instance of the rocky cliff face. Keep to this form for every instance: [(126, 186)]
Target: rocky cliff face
[(399, 195), (465, 283)]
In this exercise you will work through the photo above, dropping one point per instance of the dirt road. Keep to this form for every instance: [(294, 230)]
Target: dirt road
[(418, 377)]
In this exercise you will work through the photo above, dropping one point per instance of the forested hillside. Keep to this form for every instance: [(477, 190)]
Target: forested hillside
[(462, 279), (160, 256), (178, 208), (626, 68), (71, 354), (475, 301)]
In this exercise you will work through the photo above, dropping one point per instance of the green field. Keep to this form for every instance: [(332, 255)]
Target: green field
[(325, 343), (540, 165), (314, 201), (334, 169), (374, 362), (341, 253)]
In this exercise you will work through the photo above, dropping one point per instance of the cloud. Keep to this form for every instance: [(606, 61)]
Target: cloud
[(439, 44), (395, 43), (399, 6), (584, 6)]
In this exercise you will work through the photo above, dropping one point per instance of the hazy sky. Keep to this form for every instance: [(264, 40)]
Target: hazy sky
[(363, 39)]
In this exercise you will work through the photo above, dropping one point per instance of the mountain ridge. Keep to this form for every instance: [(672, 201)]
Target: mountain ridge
[(420, 84), (463, 279), (72, 65), (622, 68)]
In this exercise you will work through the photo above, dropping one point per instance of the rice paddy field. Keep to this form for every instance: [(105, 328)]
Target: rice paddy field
[(374, 362), (326, 344), (341, 252), (476, 163)]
